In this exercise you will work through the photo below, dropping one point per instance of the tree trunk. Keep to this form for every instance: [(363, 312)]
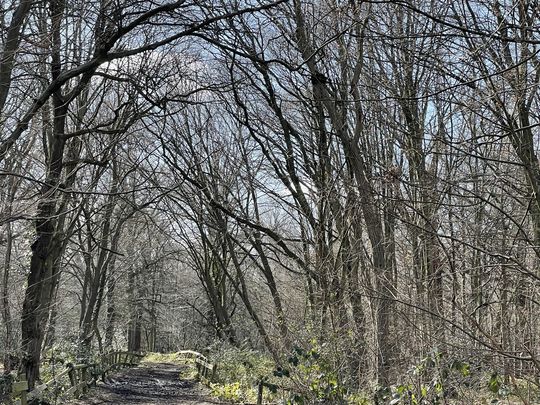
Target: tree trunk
[(135, 313), (6, 312), (111, 310), (35, 306)]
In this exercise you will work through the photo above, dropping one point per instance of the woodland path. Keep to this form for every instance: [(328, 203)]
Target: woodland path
[(148, 384)]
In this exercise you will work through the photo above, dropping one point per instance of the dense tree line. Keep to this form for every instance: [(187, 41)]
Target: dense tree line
[(261, 173)]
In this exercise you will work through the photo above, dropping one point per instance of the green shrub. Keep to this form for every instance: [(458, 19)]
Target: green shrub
[(227, 392), (312, 377), (239, 372), (358, 399)]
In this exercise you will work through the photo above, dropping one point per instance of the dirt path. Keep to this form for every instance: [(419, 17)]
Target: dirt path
[(148, 384)]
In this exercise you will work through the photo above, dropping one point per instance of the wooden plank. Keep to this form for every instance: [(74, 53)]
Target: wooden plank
[(80, 366), (19, 386), (76, 389), (58, 377), (205, 364), (37, 392), (190, 352), (191, 355), (70, 391)]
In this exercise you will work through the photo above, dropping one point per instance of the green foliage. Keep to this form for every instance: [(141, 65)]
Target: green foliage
[(497, 386), (244, 366), (358, 399), (313, 377), (152, 357), (434, 379), (55, 361), (439, 379), (228, 392), (239, 372), (172, 358)]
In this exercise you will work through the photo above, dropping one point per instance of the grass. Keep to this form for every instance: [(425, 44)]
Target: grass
[(186, 373), (172, 358)]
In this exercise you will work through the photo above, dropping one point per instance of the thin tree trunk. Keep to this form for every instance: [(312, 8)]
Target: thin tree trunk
[(111, 310), (135, 313), (6, 312)]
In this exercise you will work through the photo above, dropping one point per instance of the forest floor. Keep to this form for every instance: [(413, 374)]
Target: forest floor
[(148, 384)]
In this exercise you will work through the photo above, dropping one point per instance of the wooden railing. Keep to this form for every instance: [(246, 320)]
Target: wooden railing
[(117, 360), (206, 371), (78, 377)]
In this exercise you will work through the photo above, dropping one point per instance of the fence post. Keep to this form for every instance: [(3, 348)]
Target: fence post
[(260, 392), (92, 368), (77, 375), (213, 375), (84, 376), (71, 375), (21, 387)]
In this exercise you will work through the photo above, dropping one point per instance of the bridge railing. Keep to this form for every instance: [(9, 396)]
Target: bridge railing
[(205, 369), (117, 360), (78, 377)]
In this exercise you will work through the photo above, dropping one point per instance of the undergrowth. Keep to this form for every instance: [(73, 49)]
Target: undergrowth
[(308, 376), (238, 374)]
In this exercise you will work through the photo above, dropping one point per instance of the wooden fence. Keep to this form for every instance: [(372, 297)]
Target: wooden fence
[(78, 377), (206, 371)]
